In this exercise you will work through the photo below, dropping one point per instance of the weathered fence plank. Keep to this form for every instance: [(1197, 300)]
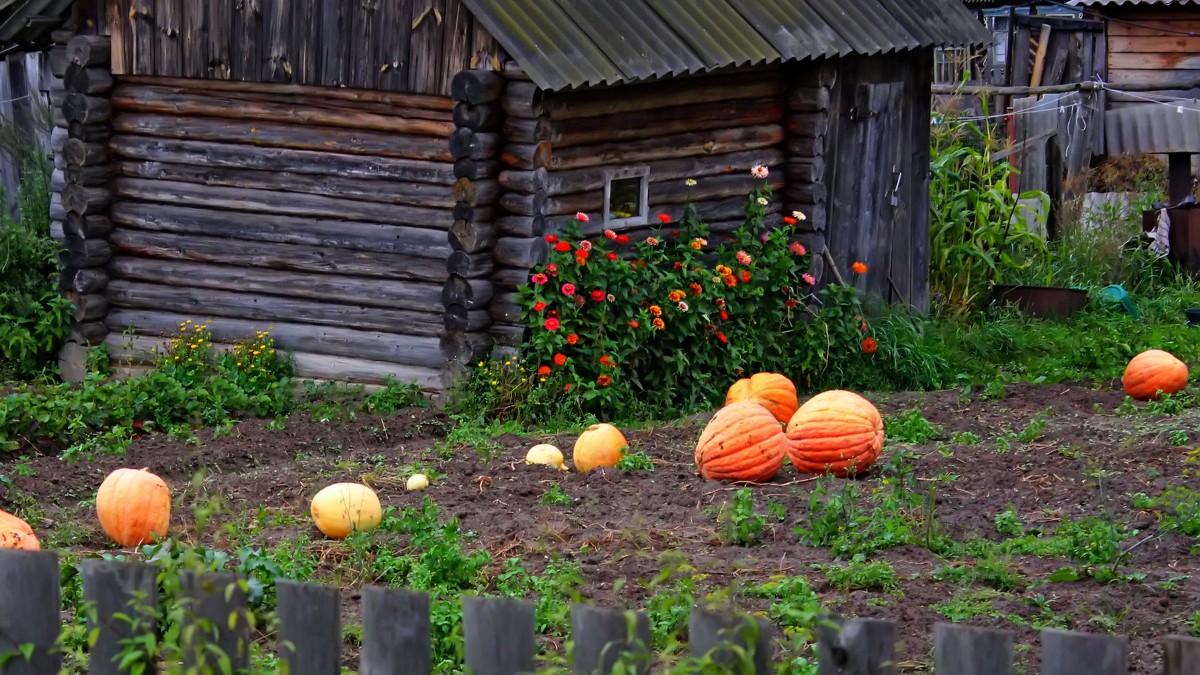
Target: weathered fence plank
[(725, 639), (124, 599), (29, 606), (310, 627), (1181, 655), (605, 636), (1072, 653), (856, 647), (966, 650), (397, 633), (499, 636), (215, 618)]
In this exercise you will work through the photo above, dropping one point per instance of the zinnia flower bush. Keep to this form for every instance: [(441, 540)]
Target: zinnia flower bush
[(669, 322)]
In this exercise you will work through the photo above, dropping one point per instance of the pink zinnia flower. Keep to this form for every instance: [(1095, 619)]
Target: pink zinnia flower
[(798, 248), (808, 279), (652, 241), (683, 306), (568, 289), (540, 279), (585, 245), (743, 257), (552, 324), (581, 217), (759, 171), (609, 234)]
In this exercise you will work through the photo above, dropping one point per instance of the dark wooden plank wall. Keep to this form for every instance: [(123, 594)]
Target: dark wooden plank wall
[(322, 215), (880, 137), (413, 46), (808, 136), (559, 147)]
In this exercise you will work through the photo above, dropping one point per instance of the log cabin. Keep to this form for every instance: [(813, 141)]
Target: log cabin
[(372, 181)]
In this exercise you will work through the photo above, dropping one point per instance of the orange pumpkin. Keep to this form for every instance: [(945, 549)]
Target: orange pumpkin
[(742, 442), (836, 432), (1154, 370), (600, 445), (134, 506), (772, 391), (16, 533)]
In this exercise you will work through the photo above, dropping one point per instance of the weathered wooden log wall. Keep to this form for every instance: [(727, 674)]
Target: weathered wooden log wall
[(808, 121), (468, 291), (80, 199), (321, 216), (412, 46), (560, 147)]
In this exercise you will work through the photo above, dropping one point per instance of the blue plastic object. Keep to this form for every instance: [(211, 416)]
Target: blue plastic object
[(1116, 293)]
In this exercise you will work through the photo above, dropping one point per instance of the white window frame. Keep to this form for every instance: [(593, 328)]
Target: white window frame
[(642, 218)]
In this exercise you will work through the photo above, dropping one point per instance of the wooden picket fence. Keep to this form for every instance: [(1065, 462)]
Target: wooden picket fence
[(499, 634)]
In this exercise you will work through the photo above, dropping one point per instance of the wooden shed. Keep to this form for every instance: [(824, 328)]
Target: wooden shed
[(372, 181)]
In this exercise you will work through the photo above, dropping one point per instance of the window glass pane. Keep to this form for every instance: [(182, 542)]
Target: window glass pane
[(625, 198)]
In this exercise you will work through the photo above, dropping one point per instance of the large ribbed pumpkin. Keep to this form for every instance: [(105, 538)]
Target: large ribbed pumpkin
[(742, 442), (1153, 370), (16, 533), (772, 391), (134, 507), (836, 432)]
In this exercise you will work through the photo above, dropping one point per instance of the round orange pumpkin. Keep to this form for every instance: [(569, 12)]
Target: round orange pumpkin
[(836, 432), (134, 506), (600, 445), (1154, 370), (772, 391), (742, 442), (16, 533)]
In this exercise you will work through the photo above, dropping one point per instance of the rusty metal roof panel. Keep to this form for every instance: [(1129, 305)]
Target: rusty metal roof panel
[(1154, 128), (572, 43)]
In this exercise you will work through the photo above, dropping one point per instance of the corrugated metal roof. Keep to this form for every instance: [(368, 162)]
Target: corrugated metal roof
[(573, 43), (27, 24), (1098, 3), (1153, 128)]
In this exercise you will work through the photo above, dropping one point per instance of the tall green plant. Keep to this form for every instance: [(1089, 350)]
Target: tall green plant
[(34, 316), (977, 231)]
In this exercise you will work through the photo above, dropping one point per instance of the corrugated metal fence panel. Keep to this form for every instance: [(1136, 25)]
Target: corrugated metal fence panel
[(1153, 128)]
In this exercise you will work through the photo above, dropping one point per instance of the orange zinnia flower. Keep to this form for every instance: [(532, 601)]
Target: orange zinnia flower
[(634, 324), (659, 324), (656, 310), (869, 345), (604, 380), (676, 296), (560, 359), (745, 276), (572, 339), (859, 268), (544, 371)]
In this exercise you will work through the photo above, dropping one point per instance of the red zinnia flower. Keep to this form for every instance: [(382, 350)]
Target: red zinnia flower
[(859, 268), (790, 303), (664, 218), (634, 324), (552, 269), (789, 220), (572, 339), (552, 324), (551, 238), (722, 338), (605, 360), (544, 371), (539, 306), (567, 388), (612, 256), (696, 288), (745, 276), (622, 239), (598, 296), (604, 380), (869, 345), (562, 247), (678, 265), (560, 359), (724, 315)]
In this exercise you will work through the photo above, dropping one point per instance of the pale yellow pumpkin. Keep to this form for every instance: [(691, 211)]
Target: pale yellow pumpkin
[(342, 508)]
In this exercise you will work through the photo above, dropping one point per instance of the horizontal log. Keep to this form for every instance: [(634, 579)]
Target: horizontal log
[(524, 204), (293, 337), (469, 265), (520, 251), (805, 147), (504, 308), (528, 130), (472, 237), (602, 102), (476, 145), (87, 306), (526, 156), (278, 135), (484, 117), (335, 288), (78, 153), (678, 170), (808, 99), (468, 293), (321, 163), (476, 169), (667, 147), (512, 70), (251, 200), (805, 170), (291, 257), (508, 334), (707, 188), (522, 99), (85, 281), (284, 183), (89, 50), (87, 176), (475, 193), (807, 125), (174, 101), (510, 277), (58, 95), (266, 309), (526, 181), (62, 36), (459, 319), (465, 348), (87, 80), (476, 86), (814, 215), (87, 226), (84, 253), (640, 125), (59, 60), (236, 227), (89, 334), (90, 133), (268, 95), (85, 200), (807, 193), (522, 226), (389, 98), (84, 109)]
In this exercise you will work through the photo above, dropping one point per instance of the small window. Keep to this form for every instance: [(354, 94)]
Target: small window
[(626, 197)]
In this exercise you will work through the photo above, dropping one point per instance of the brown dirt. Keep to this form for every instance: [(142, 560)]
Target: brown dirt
[(627, 520)]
